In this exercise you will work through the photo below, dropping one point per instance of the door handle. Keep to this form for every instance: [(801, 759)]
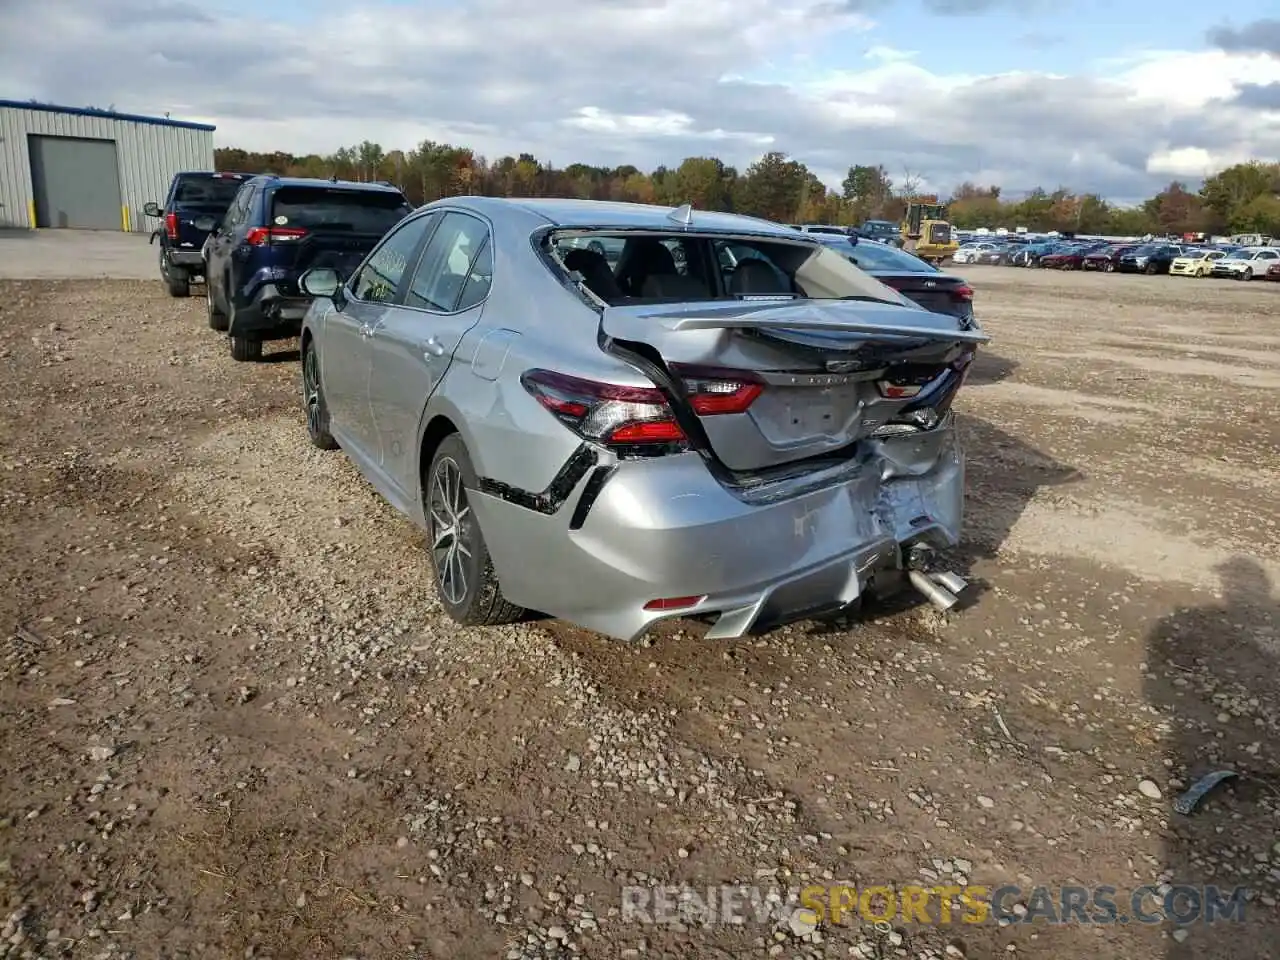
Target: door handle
[(433, 348)]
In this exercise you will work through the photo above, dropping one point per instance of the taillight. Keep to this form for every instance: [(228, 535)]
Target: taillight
[(261, 236), (713, 390), (908, 380), (619, 415), (962, 292), (171, 225), (605, 412)]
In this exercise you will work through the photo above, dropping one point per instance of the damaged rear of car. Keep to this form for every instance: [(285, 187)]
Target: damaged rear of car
[(616, 414), (776, 439)]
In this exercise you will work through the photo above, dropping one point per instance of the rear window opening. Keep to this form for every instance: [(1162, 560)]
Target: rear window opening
[(637, 267), (338, 210), (207, 188)]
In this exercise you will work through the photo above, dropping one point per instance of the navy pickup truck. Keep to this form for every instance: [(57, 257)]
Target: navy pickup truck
[(195, 204)]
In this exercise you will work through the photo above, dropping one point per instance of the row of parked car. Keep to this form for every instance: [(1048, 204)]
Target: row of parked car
[(1187, 260), (610, 413)]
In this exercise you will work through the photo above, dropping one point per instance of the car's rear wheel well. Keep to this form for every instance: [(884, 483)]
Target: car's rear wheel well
[(439, 428)]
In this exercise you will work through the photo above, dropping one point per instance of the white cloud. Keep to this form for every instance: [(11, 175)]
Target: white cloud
[(634, 81), (890, 54)]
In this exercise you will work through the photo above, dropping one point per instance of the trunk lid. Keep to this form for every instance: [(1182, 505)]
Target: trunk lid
[(831, 371), (330, 227), (935, 292)]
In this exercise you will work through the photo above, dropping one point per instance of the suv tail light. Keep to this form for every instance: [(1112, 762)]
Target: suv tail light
[(171, 225), (262, 236)]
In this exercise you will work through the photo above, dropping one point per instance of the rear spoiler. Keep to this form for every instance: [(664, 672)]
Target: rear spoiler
[(838, 316), (838, 326)]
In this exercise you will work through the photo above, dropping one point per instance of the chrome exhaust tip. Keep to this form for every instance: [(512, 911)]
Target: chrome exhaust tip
[(935, 593), (950, 581)]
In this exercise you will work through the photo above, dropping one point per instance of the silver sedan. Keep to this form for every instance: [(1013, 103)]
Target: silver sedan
[(616, 413)]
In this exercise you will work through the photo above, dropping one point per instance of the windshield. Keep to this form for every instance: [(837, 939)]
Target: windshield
[(1146, 250), (326, 208), (655, 266), (207, 188)]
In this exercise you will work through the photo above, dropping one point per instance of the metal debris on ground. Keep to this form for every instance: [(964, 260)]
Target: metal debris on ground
[(1186, 803)]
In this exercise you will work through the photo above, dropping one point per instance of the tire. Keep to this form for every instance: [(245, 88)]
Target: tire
[(1247, 274), (1109, 268), (217, 319), (246, 350), (467, 585), (313, 402), (176, 281), (1150, 270)]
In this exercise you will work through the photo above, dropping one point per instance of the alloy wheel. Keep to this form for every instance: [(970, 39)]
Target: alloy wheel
[(452, 532), (311, 391)]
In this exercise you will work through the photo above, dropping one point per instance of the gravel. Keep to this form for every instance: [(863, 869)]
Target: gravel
[(237, 723)]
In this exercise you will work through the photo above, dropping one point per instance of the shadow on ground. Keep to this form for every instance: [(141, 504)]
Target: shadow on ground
[(1003, 474), (1212, 673), (282, 356), (988, 367)]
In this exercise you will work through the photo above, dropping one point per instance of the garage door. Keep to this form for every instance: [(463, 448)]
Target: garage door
[(77, 182)]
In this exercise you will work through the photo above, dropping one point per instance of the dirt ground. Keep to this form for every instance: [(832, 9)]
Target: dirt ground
[(236, 724)]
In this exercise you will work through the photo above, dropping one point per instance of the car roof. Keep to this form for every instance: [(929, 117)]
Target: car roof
[(320, 182), (562, 212)]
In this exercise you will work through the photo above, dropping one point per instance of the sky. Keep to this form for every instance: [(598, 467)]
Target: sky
[(1094, 95)]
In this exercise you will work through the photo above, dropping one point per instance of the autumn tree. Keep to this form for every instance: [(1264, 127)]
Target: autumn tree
[(1259, 215), (1242, 198), (866, 189), (1230, 191), (972, 206), (773, 187), (704, 182), (1174, 210)]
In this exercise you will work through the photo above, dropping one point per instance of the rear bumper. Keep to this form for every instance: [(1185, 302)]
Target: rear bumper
[(270, 315), (665, 528), (191, 260)]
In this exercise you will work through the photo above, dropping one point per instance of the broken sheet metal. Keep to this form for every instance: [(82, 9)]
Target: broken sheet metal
[(1186, 803)]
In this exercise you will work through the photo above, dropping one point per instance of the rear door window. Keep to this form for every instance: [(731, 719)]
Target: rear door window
[(236, 213), (379, 279), (338, 210), (479, 280), (446, 264)]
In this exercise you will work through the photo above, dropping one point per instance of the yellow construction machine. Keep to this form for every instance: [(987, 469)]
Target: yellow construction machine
[(925, 230)]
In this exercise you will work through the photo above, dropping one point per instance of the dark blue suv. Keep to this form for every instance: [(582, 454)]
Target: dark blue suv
[(276, 229)]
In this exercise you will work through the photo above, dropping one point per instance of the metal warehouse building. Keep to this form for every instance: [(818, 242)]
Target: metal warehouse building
[(91, 169)]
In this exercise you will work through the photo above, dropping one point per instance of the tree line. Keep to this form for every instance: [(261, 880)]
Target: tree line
[(1244, 198)]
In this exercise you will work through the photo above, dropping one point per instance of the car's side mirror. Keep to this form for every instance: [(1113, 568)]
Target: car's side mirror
[(151, 209), (320, 282)]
